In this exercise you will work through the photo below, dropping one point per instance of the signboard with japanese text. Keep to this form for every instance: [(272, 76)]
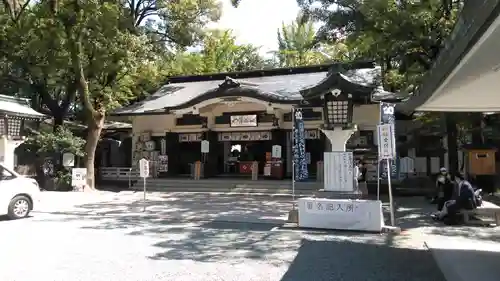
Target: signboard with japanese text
[(299, 147), (338, 169), (78, 177), (364, 215), (386, 142), (276, 151), (243, 120), (387, 116), (143, 168), (163, 163)]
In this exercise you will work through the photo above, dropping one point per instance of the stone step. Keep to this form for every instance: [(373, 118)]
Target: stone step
[(230, 186), (254, 192), (224, 188), (267, 184), (248, 182), (159, 185)]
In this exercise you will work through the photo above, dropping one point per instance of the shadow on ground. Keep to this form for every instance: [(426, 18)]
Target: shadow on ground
[(345, 260), (175, 208), (229, 242)]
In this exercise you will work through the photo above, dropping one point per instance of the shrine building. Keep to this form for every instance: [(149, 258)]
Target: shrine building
[(244, 116)]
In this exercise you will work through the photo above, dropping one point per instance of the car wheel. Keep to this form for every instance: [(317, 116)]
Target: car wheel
[(19, 207)]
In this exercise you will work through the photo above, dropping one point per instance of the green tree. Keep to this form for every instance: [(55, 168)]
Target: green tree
[(404, 37), (218, 53), (298, 45), (82, 55), (170, 24)]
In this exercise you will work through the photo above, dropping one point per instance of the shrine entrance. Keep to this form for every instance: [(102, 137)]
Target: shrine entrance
[(238, 151)]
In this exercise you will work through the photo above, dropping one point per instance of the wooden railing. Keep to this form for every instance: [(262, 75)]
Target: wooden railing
[(119, 174)]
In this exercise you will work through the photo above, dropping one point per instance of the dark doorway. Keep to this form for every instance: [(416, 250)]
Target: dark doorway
[(191, 152), (315, 148), (233, 153)]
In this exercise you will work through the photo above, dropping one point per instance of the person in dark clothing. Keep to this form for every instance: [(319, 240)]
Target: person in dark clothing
[(445, 187), (465, 199)]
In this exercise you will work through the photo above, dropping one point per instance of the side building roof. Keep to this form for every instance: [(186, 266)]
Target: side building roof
[(19, 107)]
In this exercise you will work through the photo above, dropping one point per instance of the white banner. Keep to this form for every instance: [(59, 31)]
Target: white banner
[(386, 141)]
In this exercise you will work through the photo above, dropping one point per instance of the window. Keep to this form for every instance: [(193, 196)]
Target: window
[(5, 174)]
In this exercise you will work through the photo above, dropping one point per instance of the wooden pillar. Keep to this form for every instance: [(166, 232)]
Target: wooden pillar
[(212, 159), (255, 170), (173, 153)]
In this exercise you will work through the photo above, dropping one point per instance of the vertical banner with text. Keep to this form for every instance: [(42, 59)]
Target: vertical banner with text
[(299, 147), (387, 116)]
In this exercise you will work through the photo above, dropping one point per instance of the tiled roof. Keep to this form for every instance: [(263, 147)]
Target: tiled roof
[(284, 88)]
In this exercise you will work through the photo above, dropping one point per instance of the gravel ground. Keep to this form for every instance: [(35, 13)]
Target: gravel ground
[(185, 237)]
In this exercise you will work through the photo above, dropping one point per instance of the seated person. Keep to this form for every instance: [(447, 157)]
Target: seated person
[(465, 199), (445, 187)]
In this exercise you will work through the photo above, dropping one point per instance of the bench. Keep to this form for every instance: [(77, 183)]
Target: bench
[(487, 209)]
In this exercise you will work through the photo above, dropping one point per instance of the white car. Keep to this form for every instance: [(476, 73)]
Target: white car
[(17, 194)]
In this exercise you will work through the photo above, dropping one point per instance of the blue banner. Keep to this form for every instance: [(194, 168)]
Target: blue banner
[(387, 116), (299, 147)]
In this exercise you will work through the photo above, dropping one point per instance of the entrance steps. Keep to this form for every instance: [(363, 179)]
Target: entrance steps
[(231, 186)]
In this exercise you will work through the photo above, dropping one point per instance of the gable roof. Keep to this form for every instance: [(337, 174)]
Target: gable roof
[(281, 85)]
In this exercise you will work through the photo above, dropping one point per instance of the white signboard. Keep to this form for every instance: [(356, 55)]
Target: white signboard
[(205, 146), (78, 177), (276, 151), (243, 120), (338, 171), (68, 160), (143, 168), (386, 141), (364, 215)]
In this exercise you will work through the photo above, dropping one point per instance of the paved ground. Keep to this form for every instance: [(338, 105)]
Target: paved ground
[(194, 237), (463, 253)]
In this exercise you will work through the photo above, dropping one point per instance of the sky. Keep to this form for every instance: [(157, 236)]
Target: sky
[(256, 21)]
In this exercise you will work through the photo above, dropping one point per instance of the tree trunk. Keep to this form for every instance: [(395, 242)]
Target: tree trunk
[(477, 128), (58, 121), (95, 126), (451, 131)]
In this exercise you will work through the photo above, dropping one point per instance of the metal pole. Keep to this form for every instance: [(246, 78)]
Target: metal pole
[(293, 159), (391, 206), (378, 178), (144, 199), (378, 154)]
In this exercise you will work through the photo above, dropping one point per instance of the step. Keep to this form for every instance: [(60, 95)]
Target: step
[(316, 187), (253, 193), (224, 188), (227, 183)]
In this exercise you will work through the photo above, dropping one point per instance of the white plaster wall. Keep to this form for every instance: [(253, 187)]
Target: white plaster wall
[(366, 116)]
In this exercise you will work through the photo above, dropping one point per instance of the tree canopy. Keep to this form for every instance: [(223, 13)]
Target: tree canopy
[(217, 52), (404, 37), (93, 56)]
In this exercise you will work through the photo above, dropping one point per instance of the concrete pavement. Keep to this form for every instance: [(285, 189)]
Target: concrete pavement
[(461, 252), (195, 237)]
